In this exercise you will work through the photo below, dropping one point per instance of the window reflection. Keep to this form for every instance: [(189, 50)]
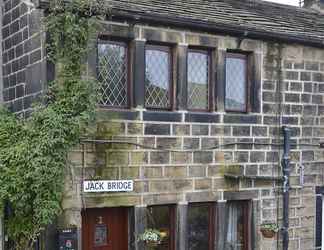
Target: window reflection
[(112, 73), (157, 77), (199, 227), (236, 82), (198, 65)]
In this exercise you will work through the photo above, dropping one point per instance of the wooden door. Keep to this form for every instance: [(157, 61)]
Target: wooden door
[(105, 229)]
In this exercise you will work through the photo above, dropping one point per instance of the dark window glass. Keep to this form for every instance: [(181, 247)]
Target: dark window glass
[(237, 236), (157, 77), (200, 225), (236, 82), (162, 219), (198, 80), (112, 74)]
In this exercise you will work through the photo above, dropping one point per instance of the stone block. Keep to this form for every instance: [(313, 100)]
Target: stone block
[(158, 157), (175, 171), (117, 158), (156, 199), (138, 158), (129, 173), (181, 157), (203, 196), (203, 184), (141, 187), (168, 142), (191, 143), (135, 128), (200, 130), (112, 201), (180, 129), (292, 75), (157, 129), (241, 131), (257, 156), (203, 157), (241, 156), (182, 185), (260, 131), (152, 172), (197, 171), (161, 186), (209, 143), (220, 130)]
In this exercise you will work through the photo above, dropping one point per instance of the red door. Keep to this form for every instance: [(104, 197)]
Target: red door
[(105, 229)]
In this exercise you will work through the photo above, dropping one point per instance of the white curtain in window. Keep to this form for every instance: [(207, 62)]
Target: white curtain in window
[(234, 227)]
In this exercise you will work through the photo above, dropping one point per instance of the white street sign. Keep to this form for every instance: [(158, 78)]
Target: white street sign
[(108, 186)]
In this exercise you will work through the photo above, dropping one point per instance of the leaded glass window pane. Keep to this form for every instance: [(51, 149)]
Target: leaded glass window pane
[(112, 74), (198, 65), (157, 78), (198, 227), (236, 83)]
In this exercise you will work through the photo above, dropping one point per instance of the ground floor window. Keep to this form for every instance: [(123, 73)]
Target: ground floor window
[(237, 232), (201, 233), (162, 218)]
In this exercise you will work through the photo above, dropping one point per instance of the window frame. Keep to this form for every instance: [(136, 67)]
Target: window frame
[(245, 56), (168, 49), (247, 224), (125, 44), (212, 226), (210, 72), (172, 222)]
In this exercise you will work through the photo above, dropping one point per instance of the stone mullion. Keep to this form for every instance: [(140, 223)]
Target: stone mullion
[(139, 73), (181, 227), (182, 93)]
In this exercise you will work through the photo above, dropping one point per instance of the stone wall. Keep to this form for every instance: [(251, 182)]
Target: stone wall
[(24, 70), (183, 168), (189, 171)]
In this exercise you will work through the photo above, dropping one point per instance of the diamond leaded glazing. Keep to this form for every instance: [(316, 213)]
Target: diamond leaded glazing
[(198, 64), (112, 74), (157, 78), (236, 83)]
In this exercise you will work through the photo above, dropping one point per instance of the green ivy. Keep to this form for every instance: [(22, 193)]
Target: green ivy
[(33, 151)]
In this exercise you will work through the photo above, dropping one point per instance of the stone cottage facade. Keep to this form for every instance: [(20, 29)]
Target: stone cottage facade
[(194, 95)]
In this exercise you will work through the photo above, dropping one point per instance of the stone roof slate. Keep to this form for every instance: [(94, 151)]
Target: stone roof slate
[(241, 15)]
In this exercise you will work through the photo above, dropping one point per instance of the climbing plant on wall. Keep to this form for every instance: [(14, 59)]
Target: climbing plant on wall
[(33, 150)]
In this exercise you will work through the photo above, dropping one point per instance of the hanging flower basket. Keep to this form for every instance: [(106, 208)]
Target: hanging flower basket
[(269, 230), (151, 238)]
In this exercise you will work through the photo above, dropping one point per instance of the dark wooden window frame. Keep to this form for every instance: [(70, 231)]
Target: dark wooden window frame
[(211, 222), (125, 44), (164, 48), (210, 72), (172, 223), (246, 56), (247, 221)]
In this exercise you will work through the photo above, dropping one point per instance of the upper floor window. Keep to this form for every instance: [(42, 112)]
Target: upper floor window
[(113, 73), (158, 77), (198, 80), (236, 82)]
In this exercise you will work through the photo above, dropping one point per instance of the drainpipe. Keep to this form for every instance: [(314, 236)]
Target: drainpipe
[(286, 174)]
